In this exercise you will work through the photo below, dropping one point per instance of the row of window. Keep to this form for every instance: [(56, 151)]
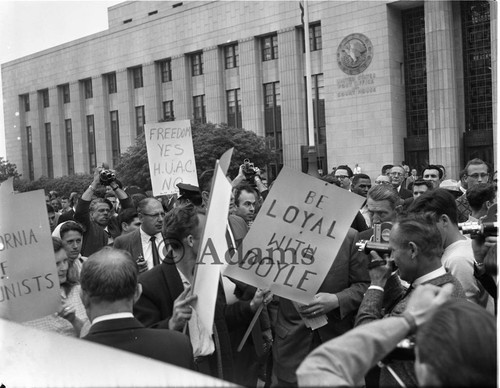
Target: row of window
[(272, 113), (269, 46)]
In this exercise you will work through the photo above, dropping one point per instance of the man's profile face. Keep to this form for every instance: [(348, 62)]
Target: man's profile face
[(362, 186), (65, 204), (152, 218), (477, 173), (246, 206), (100, 215), (433, 176), (343, 177), (380, 211), (418, 190), (134, 225), (397, 175), (52, 219)]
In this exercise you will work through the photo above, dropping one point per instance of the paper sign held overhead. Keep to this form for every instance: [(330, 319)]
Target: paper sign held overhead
[(295, 237), (170, 155), (29, 285)]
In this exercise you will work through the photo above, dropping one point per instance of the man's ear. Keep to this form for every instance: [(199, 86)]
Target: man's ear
[(205, 195), (190, 240), (414, 249), (85, 299), (138, 292), (444, 220), (125, 226)]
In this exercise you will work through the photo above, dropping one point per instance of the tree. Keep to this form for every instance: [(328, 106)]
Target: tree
[(7, 170), (210, 141)]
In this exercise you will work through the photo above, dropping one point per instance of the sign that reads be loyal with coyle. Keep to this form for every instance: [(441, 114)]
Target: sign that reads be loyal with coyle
[(170, 155), (295, 237)]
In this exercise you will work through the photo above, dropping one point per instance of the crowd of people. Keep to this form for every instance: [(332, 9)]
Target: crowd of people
[(420, 311)]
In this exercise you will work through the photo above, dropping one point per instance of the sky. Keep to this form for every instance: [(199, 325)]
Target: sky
[(27, 27)]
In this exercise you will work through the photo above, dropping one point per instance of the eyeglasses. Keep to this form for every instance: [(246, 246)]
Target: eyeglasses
[(477, 176), (382, 183), (156, 215), (395, 174), (341, 176)]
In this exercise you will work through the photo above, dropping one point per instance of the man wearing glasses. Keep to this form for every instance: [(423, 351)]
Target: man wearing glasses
[(397, 176), (344, 174), (145, 243), (477, 172)]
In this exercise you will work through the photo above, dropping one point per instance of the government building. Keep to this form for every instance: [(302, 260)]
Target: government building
[(391, 81)]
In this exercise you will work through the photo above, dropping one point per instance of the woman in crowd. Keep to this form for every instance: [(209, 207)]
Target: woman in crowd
[(71, 320)]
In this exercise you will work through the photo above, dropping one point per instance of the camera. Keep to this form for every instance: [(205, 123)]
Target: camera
[(106, 177), (249, 170), (476, 229), (368, 246)]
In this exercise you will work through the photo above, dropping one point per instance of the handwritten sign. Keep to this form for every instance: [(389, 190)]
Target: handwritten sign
[(295, 237), (29, 285), (170, 155)]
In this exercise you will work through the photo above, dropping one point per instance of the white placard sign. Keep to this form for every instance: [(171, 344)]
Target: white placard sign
[(295, 236), (170, 155), (29, 285)]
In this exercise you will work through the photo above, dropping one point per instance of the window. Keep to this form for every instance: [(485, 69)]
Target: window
[(31, 166), (65, 93), (199, 109), (269, 47), (91, 141), (232, 58), (140, 119), (68, 129), (25, 98), (234, 108), (315, 41), (111, 78), (137, 76), (48, 151), (319, 107), (272, 114), (45, 98), (166, 70), (196, 64), (115, 137), (87, 88), (168, 110)]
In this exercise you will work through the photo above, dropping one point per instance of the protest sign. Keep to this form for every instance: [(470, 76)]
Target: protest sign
[(170, 156), (212, 249), (29, 284), (295, 236)]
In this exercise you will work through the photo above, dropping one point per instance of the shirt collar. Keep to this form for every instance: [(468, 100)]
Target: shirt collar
[(109, 317), (146, 237), (429, 276)]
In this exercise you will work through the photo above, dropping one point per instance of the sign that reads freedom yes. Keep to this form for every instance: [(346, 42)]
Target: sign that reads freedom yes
[(295, 237), (170, 156)]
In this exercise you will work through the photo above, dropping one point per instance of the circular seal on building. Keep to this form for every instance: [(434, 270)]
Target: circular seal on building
[(354, 54)]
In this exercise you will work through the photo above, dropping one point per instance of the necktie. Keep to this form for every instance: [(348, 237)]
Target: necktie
[(154, 249)]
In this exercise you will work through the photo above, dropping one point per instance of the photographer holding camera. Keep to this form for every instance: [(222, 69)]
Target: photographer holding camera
[(94, 212), (250, 174)]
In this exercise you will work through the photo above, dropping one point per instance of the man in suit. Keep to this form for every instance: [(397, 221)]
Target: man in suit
[(109, 290), (416, 246), (146, 242), (338, 298), (166, 300), (397, 176)]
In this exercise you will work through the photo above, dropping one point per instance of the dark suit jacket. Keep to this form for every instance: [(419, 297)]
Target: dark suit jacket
[(404, 193), (131, 243), (162, 284), (348, 278), (130, 335), (68, 216)]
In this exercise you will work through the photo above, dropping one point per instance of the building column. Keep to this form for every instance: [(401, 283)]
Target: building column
[(101, 123), (181, 83), (125, 110), (152, 101), (252, 100), (293, 123), (444, 134), (54, 113), (494, 75), (214, 86), (79, 128)]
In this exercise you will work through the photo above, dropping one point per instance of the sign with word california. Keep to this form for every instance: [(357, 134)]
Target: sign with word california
[(29, 284), (295, 237), (170, 155)]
